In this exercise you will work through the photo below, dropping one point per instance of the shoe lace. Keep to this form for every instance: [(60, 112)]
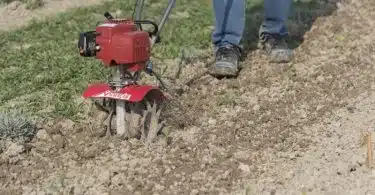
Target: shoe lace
[(227, 52)]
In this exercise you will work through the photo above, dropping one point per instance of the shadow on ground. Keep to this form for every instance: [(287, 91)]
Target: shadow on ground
[(302, 17)]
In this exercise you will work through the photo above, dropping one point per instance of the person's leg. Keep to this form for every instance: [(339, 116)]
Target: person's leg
[(229, 22), (273, 30), (227, 35)]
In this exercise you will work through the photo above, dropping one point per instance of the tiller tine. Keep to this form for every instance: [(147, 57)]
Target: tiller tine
[(138, 106)]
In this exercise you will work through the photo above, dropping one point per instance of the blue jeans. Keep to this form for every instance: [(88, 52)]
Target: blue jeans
[(230, 20)]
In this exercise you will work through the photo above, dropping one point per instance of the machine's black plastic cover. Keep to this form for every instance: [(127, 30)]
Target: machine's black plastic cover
[(87, 44)]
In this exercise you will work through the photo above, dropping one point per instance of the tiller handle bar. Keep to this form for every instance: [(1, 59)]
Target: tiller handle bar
[(109, 17), (138, 16)]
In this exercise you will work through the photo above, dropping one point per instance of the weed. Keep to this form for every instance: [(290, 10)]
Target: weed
[(16, 127)]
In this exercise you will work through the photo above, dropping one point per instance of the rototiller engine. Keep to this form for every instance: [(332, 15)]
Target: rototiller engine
[(123, 45)]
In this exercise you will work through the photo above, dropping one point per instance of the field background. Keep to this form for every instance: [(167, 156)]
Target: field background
[(43, 55)]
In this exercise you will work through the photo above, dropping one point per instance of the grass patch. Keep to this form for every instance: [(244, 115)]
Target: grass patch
[(42, 73)]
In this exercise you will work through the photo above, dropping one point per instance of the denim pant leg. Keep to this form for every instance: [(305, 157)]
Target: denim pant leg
[(276, 13), (229, 22)]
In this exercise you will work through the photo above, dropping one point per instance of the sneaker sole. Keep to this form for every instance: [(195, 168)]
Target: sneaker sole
[(281, 56), (280, 59)]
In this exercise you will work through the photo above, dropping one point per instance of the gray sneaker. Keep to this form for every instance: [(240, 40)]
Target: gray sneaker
[(227, 61), (276, 48)]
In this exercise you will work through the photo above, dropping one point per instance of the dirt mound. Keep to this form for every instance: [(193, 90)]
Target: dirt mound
[(253, 134)]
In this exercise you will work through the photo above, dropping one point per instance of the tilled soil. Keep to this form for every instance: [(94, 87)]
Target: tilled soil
[(335, 164), (287, 129)]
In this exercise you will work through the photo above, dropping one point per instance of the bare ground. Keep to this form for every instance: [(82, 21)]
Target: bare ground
[(15, 14), (284, 129)]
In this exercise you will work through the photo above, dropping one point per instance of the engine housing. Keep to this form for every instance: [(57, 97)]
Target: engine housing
[(117, 42)]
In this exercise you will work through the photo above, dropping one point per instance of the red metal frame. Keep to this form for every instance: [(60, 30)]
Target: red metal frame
[(131, 93)]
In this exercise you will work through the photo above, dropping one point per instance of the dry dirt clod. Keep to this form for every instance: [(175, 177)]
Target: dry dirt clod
[(42, 135), (65, 126), (12, 153), (13, 149), (59, 141), (245, 168)]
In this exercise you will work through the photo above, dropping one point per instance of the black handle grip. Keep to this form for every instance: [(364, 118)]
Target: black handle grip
[(108, 16), (156, 27)]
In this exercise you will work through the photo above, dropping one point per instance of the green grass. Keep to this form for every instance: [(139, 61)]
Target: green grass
[(42, 73)]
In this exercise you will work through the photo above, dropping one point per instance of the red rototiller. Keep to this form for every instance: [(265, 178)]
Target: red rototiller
[(123, 44)]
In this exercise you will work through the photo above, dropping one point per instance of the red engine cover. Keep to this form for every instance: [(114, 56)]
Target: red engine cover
[(121, 43)]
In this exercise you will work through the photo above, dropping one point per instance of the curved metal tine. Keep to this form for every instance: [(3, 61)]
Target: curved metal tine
[(109, 123)]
